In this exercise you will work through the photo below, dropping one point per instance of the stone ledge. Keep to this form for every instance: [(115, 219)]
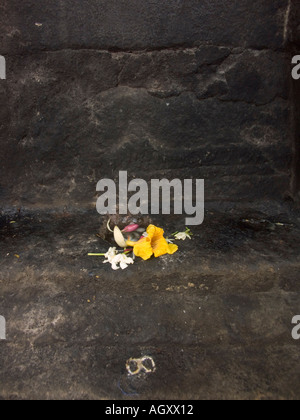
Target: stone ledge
[(216, 316)]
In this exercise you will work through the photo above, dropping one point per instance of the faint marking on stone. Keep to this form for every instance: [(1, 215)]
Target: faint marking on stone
[(127, 394), (286, 21)]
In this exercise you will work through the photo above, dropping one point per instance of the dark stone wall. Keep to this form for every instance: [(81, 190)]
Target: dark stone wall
[(294, 44), (161, 88)]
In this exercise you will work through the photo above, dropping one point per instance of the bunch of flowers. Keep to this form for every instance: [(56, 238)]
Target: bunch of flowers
[(152, 242)]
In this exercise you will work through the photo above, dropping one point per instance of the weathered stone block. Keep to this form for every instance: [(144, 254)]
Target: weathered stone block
[(158, 89), (136, 24)]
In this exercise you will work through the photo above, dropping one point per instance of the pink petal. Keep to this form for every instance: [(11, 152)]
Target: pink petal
[(131, 228)]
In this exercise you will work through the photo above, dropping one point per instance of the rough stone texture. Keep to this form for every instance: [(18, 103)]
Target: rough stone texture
[(135, 24), (88, 83), (294, 41), (293, 30), (167, 88), (214, 329)]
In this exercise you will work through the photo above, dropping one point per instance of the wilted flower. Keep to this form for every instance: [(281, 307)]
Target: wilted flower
[(124, 261), (182, 236), (154, 243), (116, 260)]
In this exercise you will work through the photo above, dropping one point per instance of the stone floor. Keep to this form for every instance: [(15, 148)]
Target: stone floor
[(215, 317)]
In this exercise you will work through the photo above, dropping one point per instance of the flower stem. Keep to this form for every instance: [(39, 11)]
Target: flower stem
[(96, 255)]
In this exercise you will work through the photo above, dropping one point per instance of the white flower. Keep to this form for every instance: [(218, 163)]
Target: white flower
[(111, 253), (125, 261), (116, 260), (111, 256), (181, 236)]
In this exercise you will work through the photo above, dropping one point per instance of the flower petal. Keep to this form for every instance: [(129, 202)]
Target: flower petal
[(154, 243), (160, 247), (159, 244), (172, 249), (114, 266), (143, 249), (123, 265), (131, 228), (119, 238), (154, 232)]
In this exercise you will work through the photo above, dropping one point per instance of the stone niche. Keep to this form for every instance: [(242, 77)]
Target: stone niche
[(162, 89)]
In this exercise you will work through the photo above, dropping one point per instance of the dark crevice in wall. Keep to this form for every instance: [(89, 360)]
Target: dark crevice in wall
[(111, 50)]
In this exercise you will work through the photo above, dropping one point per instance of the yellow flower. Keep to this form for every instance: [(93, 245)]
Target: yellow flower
[(154, 243)]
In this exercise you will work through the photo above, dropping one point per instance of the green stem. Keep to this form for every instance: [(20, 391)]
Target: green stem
[(127, 252), (96, 255)]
